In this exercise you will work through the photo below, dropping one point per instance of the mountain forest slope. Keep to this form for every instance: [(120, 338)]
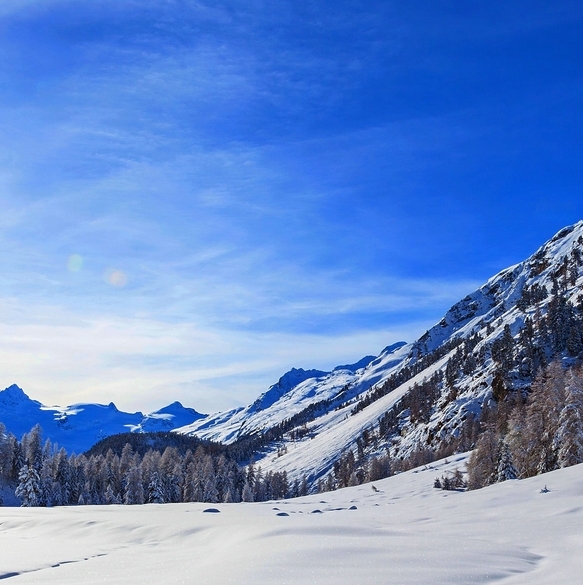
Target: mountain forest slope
[(467, 379), (417, 400)]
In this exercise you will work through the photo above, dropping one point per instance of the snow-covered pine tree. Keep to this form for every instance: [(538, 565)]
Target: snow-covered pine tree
[(29, 488), (62, 475), (134, 490), (50, 492), (247, 495), (32, 447), (259, 486), (211, 493), (569, 437), (506, 469), (171, 474), (111, 497), (353, 479), (156, 489), (189, 488), (8, 447), (304, 486), (114, 478), (92, 483)]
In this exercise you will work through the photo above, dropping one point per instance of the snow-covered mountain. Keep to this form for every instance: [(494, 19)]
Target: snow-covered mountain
[(422, 395), (79, 426), (294, 392), (411, 397)]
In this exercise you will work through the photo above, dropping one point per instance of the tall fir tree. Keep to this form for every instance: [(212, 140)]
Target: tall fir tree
[(29, 488)]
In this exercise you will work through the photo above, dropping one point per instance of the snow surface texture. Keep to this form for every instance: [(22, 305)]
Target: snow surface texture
[(405, 533), (80, 426)]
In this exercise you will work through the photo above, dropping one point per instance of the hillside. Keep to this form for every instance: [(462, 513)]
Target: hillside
[(429, 394)]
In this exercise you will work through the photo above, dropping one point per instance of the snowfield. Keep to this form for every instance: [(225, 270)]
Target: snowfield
[(405, 533)]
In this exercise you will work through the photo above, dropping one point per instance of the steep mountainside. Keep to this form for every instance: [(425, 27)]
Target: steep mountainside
[(412, 399), (431, 393), (294, 392)]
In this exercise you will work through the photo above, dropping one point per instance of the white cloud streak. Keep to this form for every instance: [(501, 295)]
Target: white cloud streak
[(200, 154), (143, 364)]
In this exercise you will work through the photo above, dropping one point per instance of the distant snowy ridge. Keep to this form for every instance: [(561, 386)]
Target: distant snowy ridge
[(79, 426), (295, 391)]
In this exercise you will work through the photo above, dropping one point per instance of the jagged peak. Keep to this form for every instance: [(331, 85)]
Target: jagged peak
[(562, 243), (288, 381), (13, 395), (393, 347), (564, 232), (297, 375), (503, 290), (174, 407)]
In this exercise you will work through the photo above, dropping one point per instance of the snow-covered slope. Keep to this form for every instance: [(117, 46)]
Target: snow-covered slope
[(459, 357), (295, 391), (405, 533), (79, 426), (425, 393)]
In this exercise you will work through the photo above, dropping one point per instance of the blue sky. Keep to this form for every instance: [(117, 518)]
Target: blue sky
[(197, 196)]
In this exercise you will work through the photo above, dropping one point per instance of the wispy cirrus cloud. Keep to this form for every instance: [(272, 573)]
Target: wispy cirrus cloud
[(142, 363), (243, 188)]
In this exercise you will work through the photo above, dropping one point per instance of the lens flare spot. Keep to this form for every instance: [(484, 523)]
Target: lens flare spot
[(116, 278), (75, 263)]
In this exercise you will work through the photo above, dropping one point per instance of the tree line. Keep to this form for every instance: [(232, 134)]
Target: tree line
[(44, 475), (525, 436)]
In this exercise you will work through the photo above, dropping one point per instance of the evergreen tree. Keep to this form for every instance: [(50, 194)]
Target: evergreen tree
[(506, 469), (210, 491), (304, 487), (191, 487), (503, 351), (62, 475), (8, 448), (32, 447), (29, 488), (247, 495), (111, 497), (569, 437), (156, 490), (353, 479)]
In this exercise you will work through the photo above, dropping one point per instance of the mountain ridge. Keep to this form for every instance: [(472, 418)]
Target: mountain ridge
[(78, 427), (412, 397), (499, 335)]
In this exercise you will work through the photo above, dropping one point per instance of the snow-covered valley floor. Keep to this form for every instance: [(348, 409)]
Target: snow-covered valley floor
[(406, 533)]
